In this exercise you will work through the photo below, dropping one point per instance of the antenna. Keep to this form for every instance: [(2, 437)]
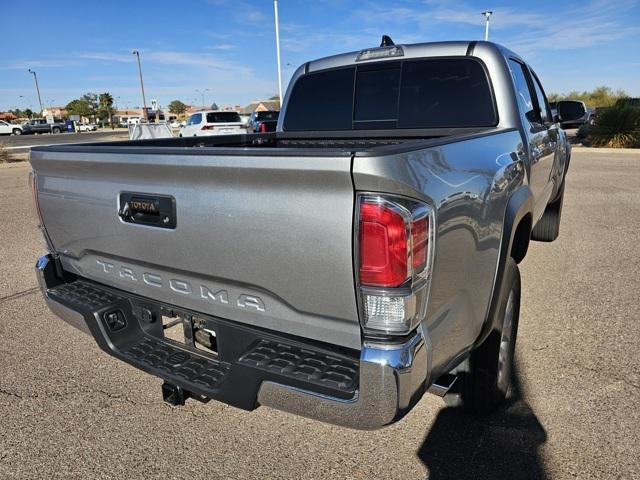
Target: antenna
[(386, 41)]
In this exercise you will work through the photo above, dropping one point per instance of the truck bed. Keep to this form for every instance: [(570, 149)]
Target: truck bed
[(292, 143)]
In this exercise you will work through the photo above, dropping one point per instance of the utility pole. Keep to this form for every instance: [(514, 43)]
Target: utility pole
[(486, 14), (275, 9), (35, 77), (144, 100), (201, 92)]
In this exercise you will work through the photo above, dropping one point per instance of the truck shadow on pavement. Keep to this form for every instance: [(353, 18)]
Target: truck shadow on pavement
[(504, 445)]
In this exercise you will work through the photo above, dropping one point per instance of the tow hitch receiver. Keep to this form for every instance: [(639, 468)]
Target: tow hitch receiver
[(176, 396)]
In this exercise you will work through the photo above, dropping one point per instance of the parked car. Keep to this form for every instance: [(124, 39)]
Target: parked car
[(9, 128), (571, 113), (246, 118), (264, 121), (213, 122), (86, 127), (363, 254), (40, 125)]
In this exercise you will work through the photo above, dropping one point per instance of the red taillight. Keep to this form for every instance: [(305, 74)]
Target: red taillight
[(395, 250), (262, 128), (383, 245), (419, 238)]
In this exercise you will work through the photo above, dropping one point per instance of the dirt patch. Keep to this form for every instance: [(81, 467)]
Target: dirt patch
[(7, 157)]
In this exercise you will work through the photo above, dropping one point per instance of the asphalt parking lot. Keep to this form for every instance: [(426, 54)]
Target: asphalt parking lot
[(67, 410)]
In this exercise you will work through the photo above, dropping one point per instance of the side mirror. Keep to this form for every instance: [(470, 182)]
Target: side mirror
[(556, 118)]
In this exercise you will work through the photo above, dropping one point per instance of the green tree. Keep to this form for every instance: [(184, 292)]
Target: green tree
[(177, 107), (27, 113), (85, 106)]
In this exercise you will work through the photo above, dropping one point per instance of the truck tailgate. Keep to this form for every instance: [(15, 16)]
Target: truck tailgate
[(264, 240)]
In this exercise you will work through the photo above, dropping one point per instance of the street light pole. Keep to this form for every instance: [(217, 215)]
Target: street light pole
[(275, 9), (144, 100), (201, 92), (486, 14), (35, 77)]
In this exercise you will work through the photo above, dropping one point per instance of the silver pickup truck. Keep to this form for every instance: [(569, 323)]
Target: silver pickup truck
[(339, 268)]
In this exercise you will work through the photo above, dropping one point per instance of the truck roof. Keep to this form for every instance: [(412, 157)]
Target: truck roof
[(410, 50)]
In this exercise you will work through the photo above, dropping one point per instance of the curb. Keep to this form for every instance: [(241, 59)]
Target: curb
[(624, 151)]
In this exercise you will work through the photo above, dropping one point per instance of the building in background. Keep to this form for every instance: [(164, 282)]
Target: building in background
[(124, 117), (8, 117), (271, 105), (56, 112)]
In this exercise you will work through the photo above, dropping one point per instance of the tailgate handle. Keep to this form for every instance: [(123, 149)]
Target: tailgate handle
[(148, 209)]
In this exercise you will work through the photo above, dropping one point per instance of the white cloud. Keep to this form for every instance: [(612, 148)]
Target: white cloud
[(41, 63), (243, 11), (222, 47), (568, 27)]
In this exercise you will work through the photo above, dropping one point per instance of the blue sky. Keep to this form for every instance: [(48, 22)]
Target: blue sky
[(228, 46)]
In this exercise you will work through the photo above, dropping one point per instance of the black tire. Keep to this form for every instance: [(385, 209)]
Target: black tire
[(484, 378), (548, 227), (55, 130), (16, 131)]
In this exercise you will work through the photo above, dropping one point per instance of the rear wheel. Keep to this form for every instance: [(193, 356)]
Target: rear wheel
[(484, 378), (55, 130), (17, 131), (548, 227)]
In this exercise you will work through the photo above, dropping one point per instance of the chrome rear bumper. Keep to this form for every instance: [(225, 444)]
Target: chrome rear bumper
[(391, 377)]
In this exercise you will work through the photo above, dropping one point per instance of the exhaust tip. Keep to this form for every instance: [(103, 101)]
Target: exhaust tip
[(443, 384)]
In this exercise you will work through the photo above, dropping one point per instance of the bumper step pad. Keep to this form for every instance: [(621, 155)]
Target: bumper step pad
[(83, 294), (313, 367), (177, 362)]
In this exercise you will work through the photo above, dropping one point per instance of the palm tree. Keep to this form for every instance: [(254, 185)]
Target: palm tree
[(105, 105)]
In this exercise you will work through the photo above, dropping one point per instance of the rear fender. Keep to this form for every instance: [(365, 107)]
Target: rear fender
[(519, 205)]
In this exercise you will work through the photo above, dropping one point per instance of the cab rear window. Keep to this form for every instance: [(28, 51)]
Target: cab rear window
[(425, 93)]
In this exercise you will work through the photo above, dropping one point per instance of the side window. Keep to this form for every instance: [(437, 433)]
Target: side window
[(195, 119), (543, 103), (523, 91)]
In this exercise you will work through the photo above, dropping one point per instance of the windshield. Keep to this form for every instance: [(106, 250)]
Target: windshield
[(223, 117), (424, 93)]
